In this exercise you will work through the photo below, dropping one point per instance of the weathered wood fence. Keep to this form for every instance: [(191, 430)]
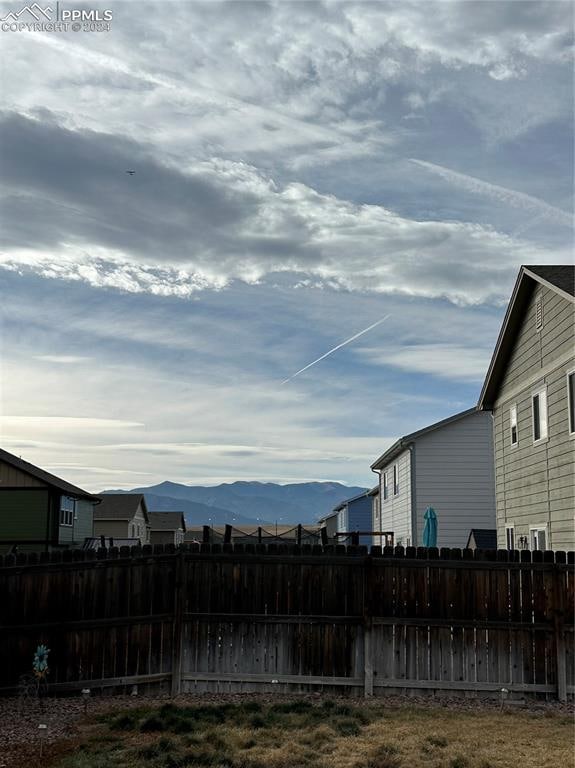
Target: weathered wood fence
[(251, 617)]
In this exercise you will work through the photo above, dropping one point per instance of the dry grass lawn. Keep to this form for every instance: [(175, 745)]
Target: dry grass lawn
[(301, 734)]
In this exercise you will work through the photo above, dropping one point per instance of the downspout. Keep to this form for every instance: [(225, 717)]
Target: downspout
[(378, 473)]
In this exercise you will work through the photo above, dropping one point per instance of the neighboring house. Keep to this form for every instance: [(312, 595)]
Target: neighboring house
[(354, 515), (39, 511), (448, 466), (329, 522), (167, 527), (122, 516), (530, 389), (480, 538)]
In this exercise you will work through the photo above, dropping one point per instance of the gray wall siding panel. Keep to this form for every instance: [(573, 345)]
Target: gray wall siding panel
[(454, 475), (396, 510)]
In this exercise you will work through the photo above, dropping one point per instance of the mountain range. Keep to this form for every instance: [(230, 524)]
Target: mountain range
[(246, 503)]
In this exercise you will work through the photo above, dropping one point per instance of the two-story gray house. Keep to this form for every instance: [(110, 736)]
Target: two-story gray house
[(447, 466), (530, 389)]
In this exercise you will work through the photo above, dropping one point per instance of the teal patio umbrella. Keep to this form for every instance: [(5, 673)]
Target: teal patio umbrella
[(430, 529)]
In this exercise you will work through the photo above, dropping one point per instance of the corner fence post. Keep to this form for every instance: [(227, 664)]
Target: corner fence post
[(178, 624)]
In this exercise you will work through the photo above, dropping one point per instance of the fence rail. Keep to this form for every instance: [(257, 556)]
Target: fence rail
[(215, 617)]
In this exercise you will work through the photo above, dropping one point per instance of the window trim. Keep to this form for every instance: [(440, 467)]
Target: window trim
[(570, 405), (396, 479), (542, 390), (511, 425), (385, 486), (538, 528), (67, 516), (510, 527)]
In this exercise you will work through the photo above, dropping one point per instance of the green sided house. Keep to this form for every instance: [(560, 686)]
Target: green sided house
[(530, 389), (39, 511)]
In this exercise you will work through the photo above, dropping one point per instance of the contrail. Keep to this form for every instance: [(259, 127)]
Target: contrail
[(339, 346), (494, 191)]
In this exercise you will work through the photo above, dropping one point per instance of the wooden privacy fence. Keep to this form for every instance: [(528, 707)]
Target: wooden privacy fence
[(251, 617)]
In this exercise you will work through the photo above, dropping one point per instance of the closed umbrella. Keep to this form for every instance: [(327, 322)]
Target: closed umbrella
[(430, 529)]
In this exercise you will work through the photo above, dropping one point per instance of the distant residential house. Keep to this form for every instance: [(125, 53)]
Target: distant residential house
[(480, 538), (39, 511), (448, 466), (167, 527), (378, 539), (355, 515), (122, 516), (530, 389), (329, 522)]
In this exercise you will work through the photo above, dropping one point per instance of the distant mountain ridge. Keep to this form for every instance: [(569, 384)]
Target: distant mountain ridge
[(247, 503)]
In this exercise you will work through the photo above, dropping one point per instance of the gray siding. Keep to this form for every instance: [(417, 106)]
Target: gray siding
[(534, 483), (396, 510), (454, 475)]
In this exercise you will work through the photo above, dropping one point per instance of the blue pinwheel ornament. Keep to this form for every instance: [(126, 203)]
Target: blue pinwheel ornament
[(40, 664)]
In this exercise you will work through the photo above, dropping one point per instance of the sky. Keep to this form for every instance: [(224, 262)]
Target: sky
[(302, 171)]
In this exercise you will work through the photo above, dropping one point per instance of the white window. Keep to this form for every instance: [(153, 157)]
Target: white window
[(67, 509), (513, 424), (510, 536), (571, 401), (395, 480), (385, 486), (539, 412), (538, 537)]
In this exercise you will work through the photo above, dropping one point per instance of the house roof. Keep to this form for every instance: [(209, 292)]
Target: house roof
[(403, 442), (559, 278), (120, 506), (374, 491), (484, 538), (46, 477), (343, 504), (166, 521)]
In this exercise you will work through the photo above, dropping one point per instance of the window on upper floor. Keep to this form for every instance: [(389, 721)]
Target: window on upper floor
[(67, 509), (539, 413), (395, 480), (385, 486), (513, 424), (538, 537), (510, 536), (571, 401)]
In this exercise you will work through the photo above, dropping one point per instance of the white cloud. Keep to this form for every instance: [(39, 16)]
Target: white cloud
[(450, 361), (62, 359)]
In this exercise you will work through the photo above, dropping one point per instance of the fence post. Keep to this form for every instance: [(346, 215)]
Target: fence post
[(178, 624), (558, 621), (367, 658)]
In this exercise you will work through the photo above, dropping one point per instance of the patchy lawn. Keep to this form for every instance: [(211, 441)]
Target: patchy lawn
[(324, 734)]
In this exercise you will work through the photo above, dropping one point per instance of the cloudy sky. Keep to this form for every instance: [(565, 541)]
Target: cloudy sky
[(303, 170)]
